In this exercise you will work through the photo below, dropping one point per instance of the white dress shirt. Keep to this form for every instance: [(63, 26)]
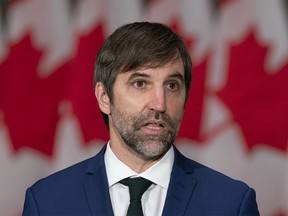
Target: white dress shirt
[(153, 199)]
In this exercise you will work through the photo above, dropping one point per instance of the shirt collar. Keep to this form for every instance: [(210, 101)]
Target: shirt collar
[(159, 173)]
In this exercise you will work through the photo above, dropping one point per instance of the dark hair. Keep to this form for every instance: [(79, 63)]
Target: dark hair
[(138, 45)]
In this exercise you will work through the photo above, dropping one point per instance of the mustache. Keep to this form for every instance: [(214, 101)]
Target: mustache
[(151, 115)]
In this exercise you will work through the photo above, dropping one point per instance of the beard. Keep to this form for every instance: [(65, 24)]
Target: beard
[(147, 146)]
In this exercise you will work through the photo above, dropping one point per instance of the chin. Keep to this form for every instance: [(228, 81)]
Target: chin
[(153, 150)]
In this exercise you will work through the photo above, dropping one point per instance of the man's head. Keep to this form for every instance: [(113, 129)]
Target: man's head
[(139, 45)]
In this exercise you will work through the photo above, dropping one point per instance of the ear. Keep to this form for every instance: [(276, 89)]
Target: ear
[(102, 98)]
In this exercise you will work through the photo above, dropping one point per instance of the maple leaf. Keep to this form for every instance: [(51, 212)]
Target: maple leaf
[(29, 102), (81, 93), (192, 119), (257, 100)]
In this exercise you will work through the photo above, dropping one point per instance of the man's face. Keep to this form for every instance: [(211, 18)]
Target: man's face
[(147, 109)]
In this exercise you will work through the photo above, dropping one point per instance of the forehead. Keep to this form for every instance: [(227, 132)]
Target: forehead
[(169, 69)]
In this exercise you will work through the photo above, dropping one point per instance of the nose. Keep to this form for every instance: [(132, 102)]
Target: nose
[(157, 100)]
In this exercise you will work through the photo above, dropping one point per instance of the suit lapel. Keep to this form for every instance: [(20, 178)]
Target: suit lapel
[(181, 186), (180, 190), (96, 186)]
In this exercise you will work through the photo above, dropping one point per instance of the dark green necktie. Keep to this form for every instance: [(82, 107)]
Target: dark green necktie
[(137, 187)]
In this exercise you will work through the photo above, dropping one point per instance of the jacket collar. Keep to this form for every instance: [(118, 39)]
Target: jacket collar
[(181, 186), (96, 186)]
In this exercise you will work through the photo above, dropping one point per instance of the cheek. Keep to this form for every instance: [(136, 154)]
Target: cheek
[(128, 102), (176, 104), (177, 112)]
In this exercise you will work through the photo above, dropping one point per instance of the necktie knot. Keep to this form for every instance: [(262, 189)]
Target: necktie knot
[(137, 187)]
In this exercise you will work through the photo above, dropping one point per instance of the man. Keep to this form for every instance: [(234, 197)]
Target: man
[(142, 80)]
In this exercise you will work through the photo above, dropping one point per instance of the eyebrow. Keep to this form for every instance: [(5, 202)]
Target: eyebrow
[(137, 74), (176, 75)]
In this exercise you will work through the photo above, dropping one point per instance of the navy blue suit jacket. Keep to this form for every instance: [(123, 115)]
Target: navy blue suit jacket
[(194, 189)]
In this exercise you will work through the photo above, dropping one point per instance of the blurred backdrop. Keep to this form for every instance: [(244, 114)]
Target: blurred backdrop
[(236, 119)]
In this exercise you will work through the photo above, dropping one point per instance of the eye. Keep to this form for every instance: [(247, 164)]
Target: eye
[(139, 84), (172, 86)]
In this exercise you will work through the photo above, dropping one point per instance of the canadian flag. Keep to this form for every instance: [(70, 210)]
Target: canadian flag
[(236, 118)]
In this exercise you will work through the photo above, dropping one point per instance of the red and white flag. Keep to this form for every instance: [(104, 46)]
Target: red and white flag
[(236, 119), (248, 81)]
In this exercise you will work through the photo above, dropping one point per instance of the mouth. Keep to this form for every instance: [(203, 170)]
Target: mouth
[(154, 127)]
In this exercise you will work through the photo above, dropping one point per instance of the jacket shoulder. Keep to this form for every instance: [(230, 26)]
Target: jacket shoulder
[(214, 192), (68, 177)]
